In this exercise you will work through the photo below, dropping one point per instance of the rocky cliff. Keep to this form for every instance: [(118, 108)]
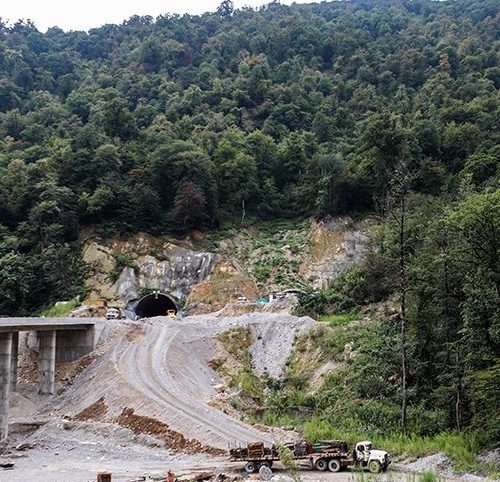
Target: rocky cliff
[(125, 270), (209, 273), (305, 254)]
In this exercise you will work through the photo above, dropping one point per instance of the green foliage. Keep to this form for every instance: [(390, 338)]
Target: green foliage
[(485, 400), (60, 310), (452, 276), (288, 461), (345, 294), (237, 341), (178, 123), (242, 116), (341, 319), (249, 384), (428, 476), (122, 260)]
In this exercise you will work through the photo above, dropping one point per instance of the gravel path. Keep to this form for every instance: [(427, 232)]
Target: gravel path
[(158, 368)]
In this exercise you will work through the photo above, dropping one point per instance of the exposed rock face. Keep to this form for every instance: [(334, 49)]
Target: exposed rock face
[(310, 255), (336, 245), (102, 261), (227, 283), (171, 269), (177, 275), (302, 254)]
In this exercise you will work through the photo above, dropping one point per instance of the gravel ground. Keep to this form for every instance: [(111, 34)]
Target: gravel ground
[(140, 406), (441, 465), (158, 369)]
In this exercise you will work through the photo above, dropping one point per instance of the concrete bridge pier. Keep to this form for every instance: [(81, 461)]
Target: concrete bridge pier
[(5, 368), (13, 359), (46, 362)]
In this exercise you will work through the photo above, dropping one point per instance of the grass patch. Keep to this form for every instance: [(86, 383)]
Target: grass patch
[(461, 447), (60, 310), (339, 320), (249, 383), (237, 342)]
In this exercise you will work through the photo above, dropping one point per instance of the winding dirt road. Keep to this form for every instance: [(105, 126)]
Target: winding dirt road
[(162, 372), (158, 367)]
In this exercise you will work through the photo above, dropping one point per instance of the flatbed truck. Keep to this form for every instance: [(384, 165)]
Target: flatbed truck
[(325, 455)]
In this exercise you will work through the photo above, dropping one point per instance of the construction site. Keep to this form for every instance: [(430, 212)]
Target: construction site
[(145, 402), (162, 373)]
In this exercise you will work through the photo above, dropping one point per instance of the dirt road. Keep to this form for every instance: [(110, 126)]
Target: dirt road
[(158, 368)]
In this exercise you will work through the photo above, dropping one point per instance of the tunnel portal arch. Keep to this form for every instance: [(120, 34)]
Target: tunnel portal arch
[(155, 304)]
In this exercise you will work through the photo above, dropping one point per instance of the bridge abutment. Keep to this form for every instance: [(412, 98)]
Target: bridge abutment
[(46, 362), (5, 369)]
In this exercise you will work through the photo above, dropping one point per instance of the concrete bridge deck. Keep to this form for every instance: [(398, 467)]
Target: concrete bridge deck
[(15, 324), (58, 340)]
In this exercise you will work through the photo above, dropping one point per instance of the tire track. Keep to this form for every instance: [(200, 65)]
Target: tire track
[(148, 366)]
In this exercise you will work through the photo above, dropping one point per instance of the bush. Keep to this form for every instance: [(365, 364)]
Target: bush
[(60, 310)]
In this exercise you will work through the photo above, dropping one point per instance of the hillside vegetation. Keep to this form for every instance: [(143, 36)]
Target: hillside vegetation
[(363, 107)]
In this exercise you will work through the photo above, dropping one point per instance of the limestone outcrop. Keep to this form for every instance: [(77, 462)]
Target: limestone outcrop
[(122, 271), (335, 244)]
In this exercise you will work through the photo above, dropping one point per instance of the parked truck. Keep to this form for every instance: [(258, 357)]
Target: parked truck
[(333, 455)]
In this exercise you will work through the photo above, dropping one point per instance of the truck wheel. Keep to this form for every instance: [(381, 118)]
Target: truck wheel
[(321, 465), (374, 466), (334, 465), (265, 473), (250, 467)]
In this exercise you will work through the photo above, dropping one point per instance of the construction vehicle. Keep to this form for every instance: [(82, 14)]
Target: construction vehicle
[(113, 314), (171, 313), (333, 455)]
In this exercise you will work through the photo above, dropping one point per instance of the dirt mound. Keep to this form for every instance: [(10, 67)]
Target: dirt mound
[(139, 424), (438, 463), (154, 377), (68, 371), (94, 412), (490, 457)]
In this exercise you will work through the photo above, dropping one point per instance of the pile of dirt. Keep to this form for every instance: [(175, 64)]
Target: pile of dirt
[(441, 465), (135, 333), (490, 457), (139, 424), (94, 412), (27, 371), (68, 371), (227, 283), (438, 463), (275, 335)]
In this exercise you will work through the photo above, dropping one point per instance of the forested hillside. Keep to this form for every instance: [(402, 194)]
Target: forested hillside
[(354, 107)]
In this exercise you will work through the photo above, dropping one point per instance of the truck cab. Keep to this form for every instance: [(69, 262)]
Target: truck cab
[(373, 460)]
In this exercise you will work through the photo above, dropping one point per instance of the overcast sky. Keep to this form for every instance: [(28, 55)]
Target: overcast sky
[(85, 14)]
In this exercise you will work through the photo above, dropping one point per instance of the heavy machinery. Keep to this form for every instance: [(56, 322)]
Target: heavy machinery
[(333, 455)]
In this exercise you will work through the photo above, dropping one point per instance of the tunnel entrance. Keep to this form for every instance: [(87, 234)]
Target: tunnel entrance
[(155, 304)]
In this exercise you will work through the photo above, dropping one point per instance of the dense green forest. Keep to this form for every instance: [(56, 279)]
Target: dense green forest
[(348, 107)]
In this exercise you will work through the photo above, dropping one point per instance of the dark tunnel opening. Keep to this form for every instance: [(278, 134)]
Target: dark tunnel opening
[(155, 304)]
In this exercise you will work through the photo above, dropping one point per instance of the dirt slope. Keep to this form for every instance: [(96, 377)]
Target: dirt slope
[(156, 379)]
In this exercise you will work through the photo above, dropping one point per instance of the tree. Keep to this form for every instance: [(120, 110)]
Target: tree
[(189, 209), (400, 186), (118, 120), (226, 8)]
